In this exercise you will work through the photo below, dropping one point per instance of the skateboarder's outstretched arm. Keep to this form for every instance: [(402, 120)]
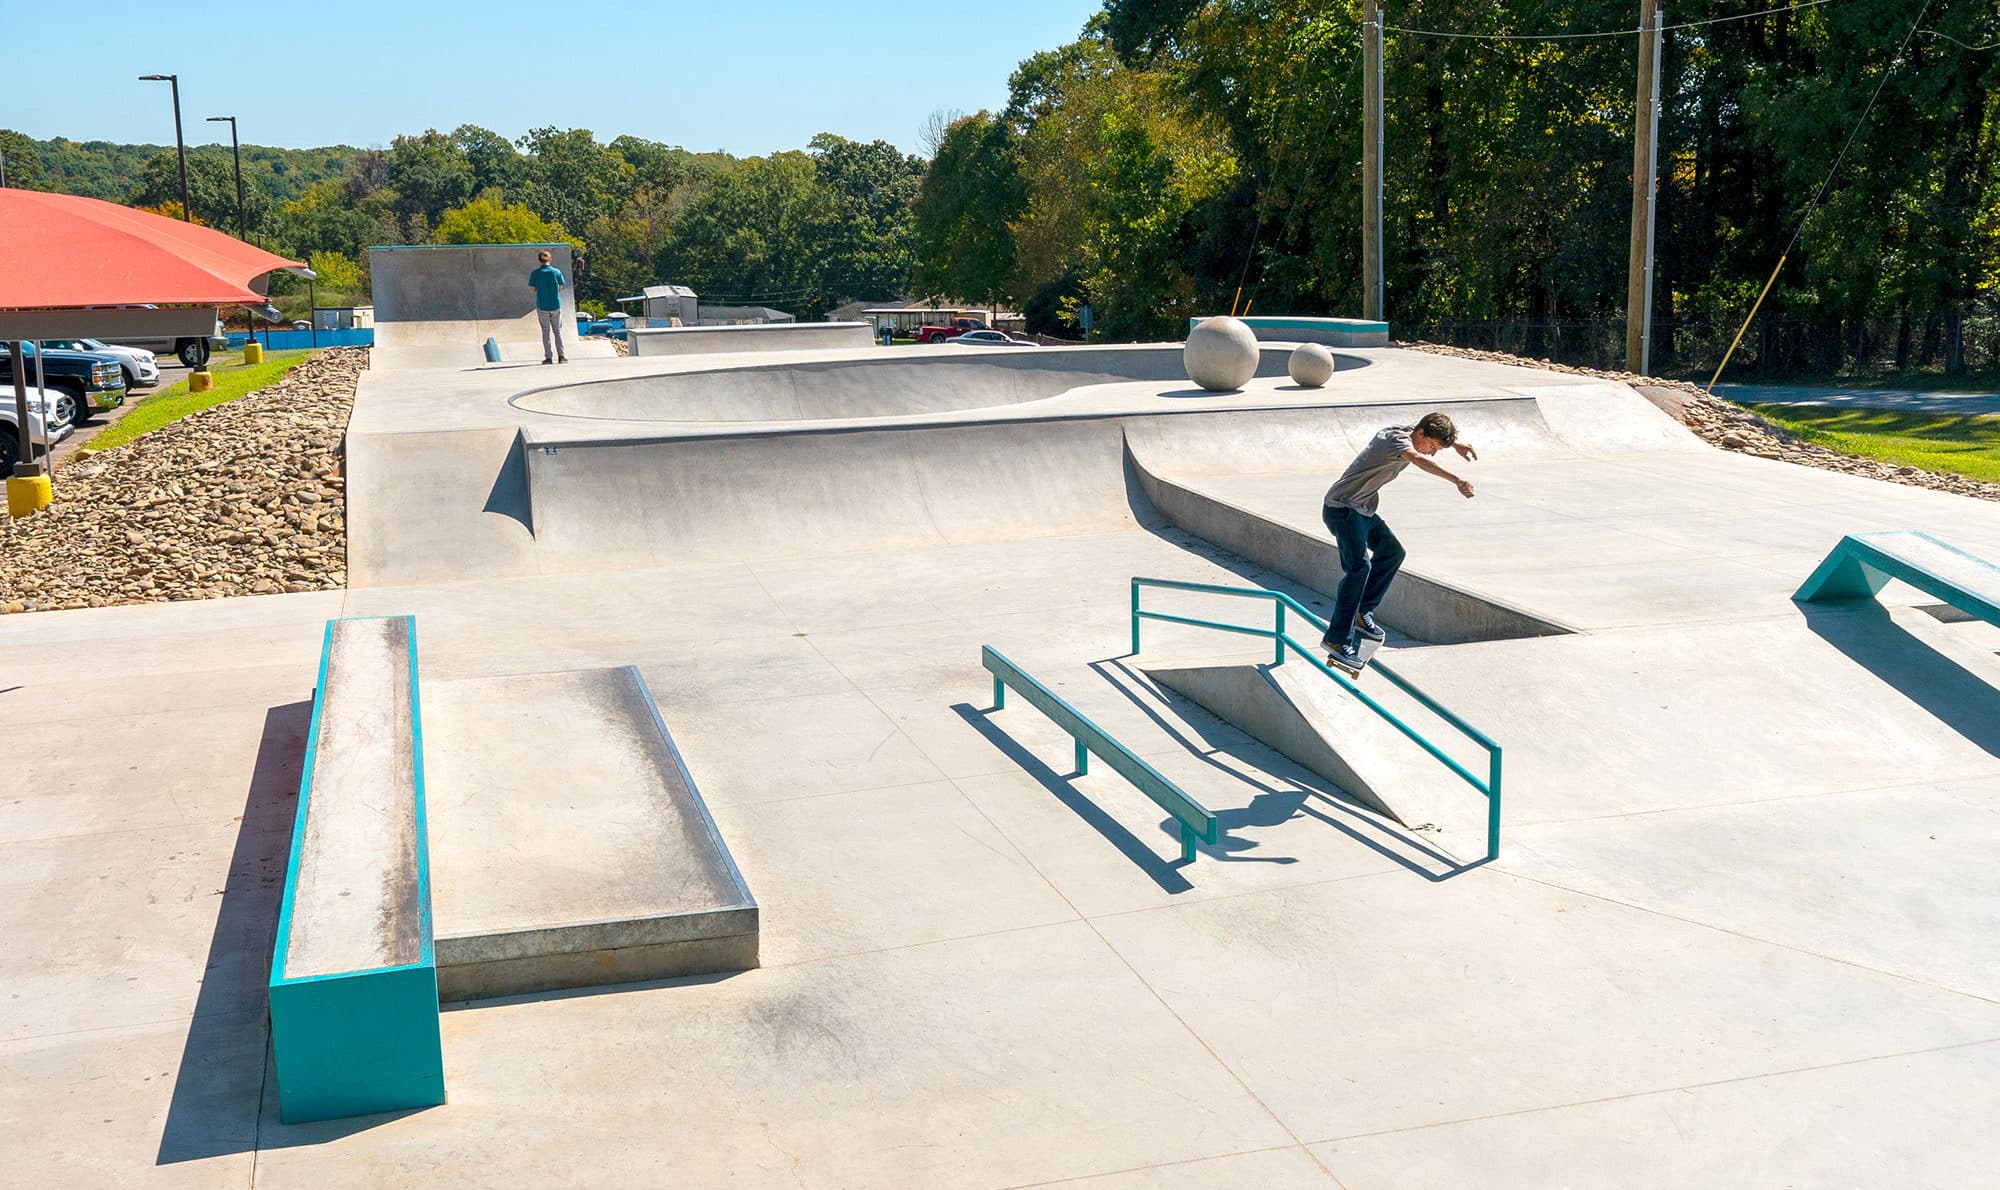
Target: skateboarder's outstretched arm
[(1422, 462)]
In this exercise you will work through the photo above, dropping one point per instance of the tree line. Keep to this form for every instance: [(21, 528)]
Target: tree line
[(801, 230), (1181, 148), (1189, 156)]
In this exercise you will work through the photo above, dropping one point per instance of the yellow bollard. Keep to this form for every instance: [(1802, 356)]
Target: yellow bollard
[(253, 352), (200, 382), (28, 494)]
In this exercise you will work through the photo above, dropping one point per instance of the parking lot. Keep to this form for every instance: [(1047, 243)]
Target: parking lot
[(172, 372)]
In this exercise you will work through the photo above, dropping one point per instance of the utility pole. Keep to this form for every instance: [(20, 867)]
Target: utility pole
[(1645, 190), (180, 142), (235, 152), (1371, 160)]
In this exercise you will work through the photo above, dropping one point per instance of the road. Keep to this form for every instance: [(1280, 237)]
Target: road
[(1862, 398)]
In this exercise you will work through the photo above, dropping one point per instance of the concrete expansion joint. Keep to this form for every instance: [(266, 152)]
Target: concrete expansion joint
[(1652, 1091)]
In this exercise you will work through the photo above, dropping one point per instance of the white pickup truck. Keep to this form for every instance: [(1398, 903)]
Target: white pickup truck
[(192, 351), (44, 423)]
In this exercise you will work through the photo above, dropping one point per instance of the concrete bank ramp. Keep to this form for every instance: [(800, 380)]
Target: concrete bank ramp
[(437, 304), (1193, 470), (1303, 715), (569, 845), (981, 379)]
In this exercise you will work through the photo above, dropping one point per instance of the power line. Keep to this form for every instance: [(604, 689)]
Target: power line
[(1742, 16), (1955, 41)]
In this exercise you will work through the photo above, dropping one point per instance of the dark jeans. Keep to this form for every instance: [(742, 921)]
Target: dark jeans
[(1370, 556)]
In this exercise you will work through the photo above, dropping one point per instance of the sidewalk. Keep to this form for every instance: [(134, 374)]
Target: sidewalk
[(1960, 403)]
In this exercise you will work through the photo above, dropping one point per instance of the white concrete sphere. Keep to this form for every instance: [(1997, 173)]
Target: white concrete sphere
[(1221, 354), (1311, 365)]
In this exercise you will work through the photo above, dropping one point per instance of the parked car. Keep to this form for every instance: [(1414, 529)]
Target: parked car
[(990, 339), (85, 381), (941, 334), (142, 367), (611, 326), (193, 352), (44, 420)]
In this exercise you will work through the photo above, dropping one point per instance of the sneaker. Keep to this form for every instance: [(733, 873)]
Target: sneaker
[(1348, 657), (1366, 622), (548, 361), (562, 359)]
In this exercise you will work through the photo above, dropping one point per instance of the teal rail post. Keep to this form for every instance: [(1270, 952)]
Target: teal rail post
[(1283, 642), (1197, 824)]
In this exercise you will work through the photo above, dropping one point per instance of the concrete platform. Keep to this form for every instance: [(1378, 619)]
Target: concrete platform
[(1740, 933), (569, 845), (777, 336)]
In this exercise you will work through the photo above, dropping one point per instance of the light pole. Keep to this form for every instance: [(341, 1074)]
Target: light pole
[(235, 152), (180, 144)]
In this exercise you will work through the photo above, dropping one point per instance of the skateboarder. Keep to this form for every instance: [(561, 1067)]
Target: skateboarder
[(1370, 555), (548, 283)]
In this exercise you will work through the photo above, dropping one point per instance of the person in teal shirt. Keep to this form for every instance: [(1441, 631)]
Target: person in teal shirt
[(548, 283)]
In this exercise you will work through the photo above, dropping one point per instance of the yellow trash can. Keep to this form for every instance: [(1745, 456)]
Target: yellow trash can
[(200, 382), (28, 494), (253, 352)]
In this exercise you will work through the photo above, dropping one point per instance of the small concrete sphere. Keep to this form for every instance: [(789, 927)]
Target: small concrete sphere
[(1221, 354), (1311, 365)]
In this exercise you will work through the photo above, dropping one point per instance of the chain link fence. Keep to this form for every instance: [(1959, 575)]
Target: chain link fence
[(1946, 343)]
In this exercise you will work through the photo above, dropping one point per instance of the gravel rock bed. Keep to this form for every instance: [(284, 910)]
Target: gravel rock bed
[(1732, 427), (246, 498)]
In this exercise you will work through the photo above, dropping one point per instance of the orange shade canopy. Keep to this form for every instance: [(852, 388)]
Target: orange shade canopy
[(58, 250)]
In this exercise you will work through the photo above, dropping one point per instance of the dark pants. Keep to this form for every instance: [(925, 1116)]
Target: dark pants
[(1370, 556)]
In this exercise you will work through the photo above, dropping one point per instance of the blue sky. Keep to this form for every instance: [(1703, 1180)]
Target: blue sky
[(746, 78)]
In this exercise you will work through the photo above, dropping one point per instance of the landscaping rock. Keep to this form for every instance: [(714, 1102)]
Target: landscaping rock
[(245, 498), (1733, 427)]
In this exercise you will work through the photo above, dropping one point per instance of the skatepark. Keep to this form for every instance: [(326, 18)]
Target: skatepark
[(724, 868)]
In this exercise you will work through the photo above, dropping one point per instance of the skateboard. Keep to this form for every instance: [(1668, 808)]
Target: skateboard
[(1366, 649)]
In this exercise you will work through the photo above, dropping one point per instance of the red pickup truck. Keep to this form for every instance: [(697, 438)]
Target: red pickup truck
[(938, 334)]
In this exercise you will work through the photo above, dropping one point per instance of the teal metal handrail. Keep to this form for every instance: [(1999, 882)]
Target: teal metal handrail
[(1282, 641), (1197, 824)]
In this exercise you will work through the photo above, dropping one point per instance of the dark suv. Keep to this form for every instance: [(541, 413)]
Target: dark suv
[(86, 381)]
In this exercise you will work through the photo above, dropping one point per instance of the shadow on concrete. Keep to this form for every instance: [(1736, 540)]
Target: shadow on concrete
[(1304, 791), (509, 495), (218, 1089), (1871, 638), (598, 989), (1163, 872)]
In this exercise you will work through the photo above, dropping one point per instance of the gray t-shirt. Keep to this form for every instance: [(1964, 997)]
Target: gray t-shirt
[(1379, 462)]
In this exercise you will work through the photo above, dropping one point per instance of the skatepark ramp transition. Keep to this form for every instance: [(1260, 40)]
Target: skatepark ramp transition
[(437, 304), (1324, 720)]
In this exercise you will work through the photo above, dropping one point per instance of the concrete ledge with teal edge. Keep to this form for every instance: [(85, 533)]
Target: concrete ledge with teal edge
[(354, 1002), (1331, 332), (569, 843), (1198, 825), (1862, 564)]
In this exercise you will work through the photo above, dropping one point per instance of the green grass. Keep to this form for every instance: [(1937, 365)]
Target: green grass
[(1957, 444), (233, 379)]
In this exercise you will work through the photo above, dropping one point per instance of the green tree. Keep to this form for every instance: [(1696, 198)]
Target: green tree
[(569, 178), (970, 197), (489, 220), (430, 174), (862, 226), (493, 159), (22, 161), (745, 237), (337, 274), (211, 187)]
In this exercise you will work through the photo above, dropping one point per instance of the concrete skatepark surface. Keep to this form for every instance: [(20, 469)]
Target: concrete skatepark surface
[(1742, 931)]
